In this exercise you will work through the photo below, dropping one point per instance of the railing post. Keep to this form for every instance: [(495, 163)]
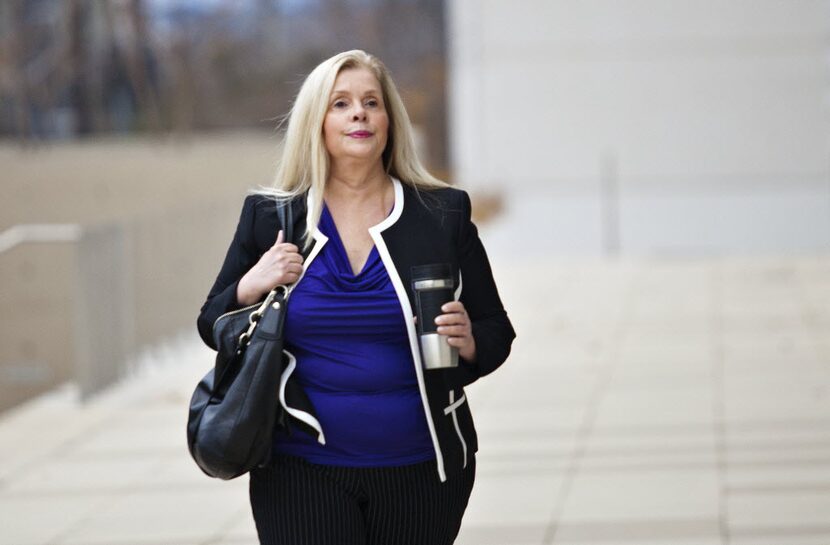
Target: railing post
[(104, 310), (610, 204)]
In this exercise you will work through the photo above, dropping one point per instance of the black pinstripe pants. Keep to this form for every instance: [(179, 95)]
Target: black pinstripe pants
[(295, 502)]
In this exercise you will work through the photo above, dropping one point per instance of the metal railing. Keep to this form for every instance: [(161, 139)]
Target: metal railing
[(38, 232), (80, 300)]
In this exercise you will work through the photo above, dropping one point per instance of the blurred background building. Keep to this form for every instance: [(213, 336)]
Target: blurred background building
[(643, 127)]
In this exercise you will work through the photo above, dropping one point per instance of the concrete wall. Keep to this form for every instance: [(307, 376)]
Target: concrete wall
[(709, 118)]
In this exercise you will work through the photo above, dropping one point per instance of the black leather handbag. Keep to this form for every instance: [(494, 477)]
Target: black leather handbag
[(236, 406)]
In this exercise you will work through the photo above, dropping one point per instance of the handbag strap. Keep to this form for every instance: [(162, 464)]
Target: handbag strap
[(286, 217)]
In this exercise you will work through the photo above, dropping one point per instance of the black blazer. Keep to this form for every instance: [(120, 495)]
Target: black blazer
[(425, 226)]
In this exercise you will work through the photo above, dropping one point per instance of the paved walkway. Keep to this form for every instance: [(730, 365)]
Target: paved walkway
[(646, 402)]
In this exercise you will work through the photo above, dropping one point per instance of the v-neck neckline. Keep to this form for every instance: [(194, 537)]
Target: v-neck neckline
[(341, 247)]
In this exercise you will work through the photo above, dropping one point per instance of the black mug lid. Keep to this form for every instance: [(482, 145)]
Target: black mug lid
[(433, 271)]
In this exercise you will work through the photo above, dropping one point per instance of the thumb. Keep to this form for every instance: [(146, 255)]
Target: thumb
[(280, 238)]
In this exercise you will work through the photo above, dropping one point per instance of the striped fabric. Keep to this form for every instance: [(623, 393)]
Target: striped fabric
[(296, 502)]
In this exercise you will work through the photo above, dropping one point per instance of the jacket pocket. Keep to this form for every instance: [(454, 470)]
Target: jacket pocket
[(452, 409)]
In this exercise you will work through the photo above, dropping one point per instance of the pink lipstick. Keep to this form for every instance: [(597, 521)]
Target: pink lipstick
[(360, 134)]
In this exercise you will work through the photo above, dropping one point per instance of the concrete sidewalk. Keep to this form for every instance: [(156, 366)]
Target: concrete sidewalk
[(646, 402)]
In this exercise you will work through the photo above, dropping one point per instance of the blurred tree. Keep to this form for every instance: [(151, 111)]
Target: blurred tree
[(85, 67)]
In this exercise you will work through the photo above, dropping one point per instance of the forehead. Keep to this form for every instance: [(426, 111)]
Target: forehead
[(356, 80)]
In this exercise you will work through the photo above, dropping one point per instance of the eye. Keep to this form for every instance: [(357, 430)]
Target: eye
[(339, 104), (372, 102)]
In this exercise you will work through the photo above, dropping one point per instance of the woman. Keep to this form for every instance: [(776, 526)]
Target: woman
[(387, 456)]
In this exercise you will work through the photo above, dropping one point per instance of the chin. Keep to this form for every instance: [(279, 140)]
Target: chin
[(367, 157)]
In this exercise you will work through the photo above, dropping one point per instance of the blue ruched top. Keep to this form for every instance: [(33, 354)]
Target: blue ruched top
[(353, 360)]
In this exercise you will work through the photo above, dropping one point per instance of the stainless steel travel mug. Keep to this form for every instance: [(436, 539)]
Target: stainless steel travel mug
[(433, 286)]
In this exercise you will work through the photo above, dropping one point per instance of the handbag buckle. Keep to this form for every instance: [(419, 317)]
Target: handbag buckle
[(254, 317)]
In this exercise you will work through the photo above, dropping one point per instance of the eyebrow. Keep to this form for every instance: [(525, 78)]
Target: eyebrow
[(375, 92)]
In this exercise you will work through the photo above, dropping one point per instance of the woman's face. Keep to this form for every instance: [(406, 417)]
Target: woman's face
[(356, 123)]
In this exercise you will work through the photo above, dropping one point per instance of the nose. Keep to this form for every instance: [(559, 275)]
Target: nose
[(359, 113)]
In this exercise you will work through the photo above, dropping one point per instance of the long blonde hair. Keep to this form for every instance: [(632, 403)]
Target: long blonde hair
[(304, 163)]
